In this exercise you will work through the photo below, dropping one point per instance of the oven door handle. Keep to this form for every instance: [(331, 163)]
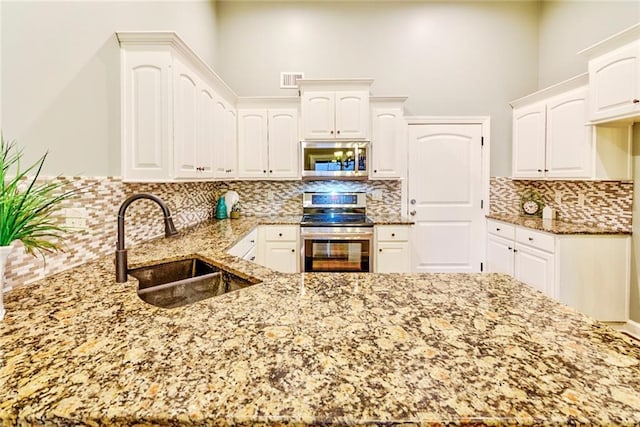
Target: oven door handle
[(337, 236)]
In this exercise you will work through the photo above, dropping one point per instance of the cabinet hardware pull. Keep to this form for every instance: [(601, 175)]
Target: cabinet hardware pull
[(293, 250), (412, 213), (375, 171), (413, 201), (331, 132), (546, 170), (515, 250), (280, 234), (531, 239), (270, 171), (497, 229), (338, 132), (252, 241), (264, 171), (510, 248), (253, 258), (635, 101), (380, 250), (539, 170), (393, 234)]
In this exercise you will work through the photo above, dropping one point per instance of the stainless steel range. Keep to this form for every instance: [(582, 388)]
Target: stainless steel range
[(336, 233)]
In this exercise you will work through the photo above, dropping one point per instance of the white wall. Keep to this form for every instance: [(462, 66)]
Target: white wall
[(449, 58), (567, 27), (60, 74)]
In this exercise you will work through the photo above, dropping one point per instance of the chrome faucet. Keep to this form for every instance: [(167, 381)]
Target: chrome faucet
[(121, 252)]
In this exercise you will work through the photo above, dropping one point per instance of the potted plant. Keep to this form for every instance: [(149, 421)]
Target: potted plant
[(235, 210), (27, 208)]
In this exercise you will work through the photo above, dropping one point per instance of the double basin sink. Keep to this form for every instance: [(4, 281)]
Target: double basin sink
[(183, 282)]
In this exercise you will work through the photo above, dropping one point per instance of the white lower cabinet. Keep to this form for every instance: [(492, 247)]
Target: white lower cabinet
[(278, 247), (392, 249), (587, 272), (246, 247)]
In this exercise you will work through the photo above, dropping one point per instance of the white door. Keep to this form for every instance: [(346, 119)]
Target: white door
[(529, 141), (283, 143), (499, 255), (252, 143), (535, 268), (568, 149), (352, 114), (445, 197), (318, 115)]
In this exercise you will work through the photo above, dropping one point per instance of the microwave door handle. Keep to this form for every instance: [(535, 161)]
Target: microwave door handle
[(337, 236)]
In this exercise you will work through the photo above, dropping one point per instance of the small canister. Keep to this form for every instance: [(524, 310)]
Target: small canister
[(548, 213)]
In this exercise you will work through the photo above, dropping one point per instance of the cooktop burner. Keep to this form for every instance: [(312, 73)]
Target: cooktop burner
[(336, 219)]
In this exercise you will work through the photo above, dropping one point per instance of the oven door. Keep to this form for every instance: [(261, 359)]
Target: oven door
[(337, 249)]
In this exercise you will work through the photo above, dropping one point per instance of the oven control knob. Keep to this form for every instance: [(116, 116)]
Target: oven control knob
[(412, 213)]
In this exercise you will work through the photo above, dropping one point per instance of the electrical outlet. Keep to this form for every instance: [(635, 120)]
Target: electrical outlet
[(270, 195), (376, 194), (558, 197), (76, 218), (580, 199)]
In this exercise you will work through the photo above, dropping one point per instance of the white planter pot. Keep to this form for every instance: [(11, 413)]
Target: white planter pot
[(4, 255)]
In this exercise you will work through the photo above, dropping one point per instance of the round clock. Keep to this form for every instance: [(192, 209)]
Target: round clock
[(530, 207)]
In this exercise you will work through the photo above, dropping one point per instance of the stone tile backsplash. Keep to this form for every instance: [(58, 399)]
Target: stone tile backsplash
[(190, 203), (597, 203)]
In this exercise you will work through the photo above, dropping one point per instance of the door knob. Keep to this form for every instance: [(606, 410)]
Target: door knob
[(412, 213)]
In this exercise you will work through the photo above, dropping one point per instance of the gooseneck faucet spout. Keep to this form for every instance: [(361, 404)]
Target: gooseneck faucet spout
[(121, 252)]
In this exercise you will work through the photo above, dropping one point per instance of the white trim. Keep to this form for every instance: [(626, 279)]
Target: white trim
[(626, 36)]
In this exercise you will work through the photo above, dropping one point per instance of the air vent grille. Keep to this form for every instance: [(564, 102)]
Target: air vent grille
[(288, 79)]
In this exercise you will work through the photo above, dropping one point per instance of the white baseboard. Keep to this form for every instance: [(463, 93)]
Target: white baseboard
[(632, 328)]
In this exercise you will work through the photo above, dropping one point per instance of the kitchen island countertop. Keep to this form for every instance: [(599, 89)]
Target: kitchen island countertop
[(299, 349), (555, 226)]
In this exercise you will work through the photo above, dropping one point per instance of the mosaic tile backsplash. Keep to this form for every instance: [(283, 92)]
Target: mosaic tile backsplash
[(604, 203), (190, 203)]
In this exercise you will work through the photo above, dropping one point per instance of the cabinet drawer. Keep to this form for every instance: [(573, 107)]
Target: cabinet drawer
[(245, 244), (281, 233), (536, 239), (392, 234), (501, 229)]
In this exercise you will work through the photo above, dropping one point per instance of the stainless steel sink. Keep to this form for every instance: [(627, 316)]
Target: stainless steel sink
[(178, 283)]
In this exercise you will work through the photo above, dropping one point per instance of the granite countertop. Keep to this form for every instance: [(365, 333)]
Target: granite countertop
[(555, 226), (299, 349)]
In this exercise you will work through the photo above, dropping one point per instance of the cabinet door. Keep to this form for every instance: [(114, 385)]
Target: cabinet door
[(614, 83), (283, 143), (318, 115), (146, 116), (529, 141), (252, 143), (281, 256), (352, 114), (225, 141), (392, 257), (205, 132), (568, 149), (388, 147), (230, 151), (185, 110), (535, 268), (500, 255)]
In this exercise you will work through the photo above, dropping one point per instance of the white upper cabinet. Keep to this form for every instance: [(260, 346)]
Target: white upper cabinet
[(178, 116), (614, 77), (553, 139), (146, 113), (388, 139), (268, 143), (193, 124), (335, 109), (225, 143), (529, 124)]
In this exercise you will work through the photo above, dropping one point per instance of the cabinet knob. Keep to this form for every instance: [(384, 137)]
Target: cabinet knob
[(515, 250), (546, 170), (375, 171), (253, 258), (510, 248), (380, 250), (412, 213), (264, 171), (531, 239), (293, 250), (635, 101), (331, 132), (497, 229), (393, 234), (252, 241), (270, 171), (338, 132), (539, 170), (279, 234), (413, 201)]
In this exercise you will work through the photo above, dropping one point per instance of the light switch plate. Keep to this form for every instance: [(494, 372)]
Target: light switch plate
[(76, 218), (376, 194)]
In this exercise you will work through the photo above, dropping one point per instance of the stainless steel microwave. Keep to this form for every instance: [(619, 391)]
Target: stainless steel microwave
[(334, 159)]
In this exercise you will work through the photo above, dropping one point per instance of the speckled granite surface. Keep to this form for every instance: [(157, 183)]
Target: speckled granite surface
[(554, 226), (391, 220), (297, 349)]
